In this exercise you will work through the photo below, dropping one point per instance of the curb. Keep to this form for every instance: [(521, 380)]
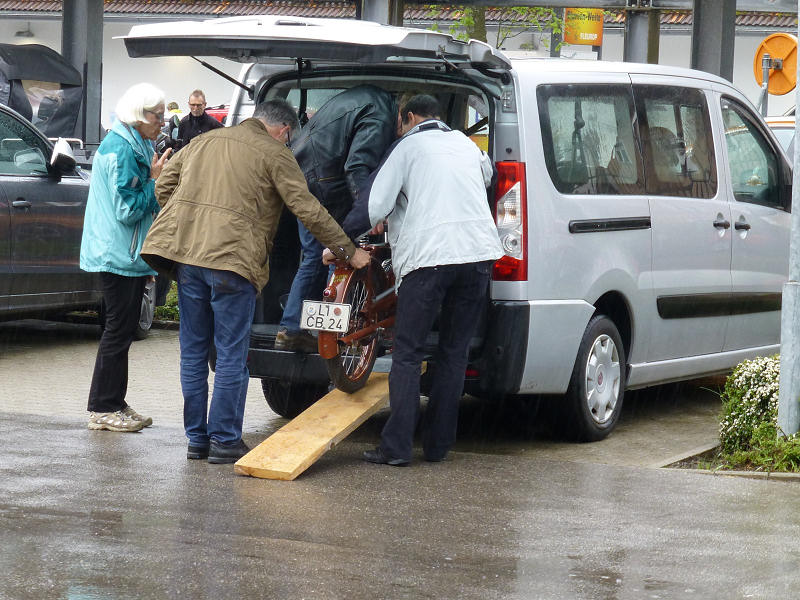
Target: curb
[(780, 476), (683, 456), (174, 325)]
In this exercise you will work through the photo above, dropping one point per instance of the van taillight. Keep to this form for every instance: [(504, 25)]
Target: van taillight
[(510, 215)]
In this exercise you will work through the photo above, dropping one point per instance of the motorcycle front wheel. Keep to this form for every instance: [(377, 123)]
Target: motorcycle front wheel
[(350, 369)]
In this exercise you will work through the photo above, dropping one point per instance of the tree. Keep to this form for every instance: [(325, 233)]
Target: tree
[(512, 21)]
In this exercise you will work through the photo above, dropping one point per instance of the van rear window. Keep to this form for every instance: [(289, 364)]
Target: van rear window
[(588, 138)]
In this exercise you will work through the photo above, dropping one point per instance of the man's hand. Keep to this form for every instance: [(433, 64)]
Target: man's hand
[(328, 257), (377, 230), (158, 163), (360, 258)]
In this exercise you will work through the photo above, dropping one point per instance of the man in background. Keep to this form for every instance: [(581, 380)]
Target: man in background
[(196, 122)]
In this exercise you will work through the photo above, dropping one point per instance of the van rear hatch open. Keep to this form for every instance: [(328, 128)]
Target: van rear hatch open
[(307, 61), (271, 38)]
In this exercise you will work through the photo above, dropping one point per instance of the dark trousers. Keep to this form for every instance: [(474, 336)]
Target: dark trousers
[(460, 292), (122, 297)]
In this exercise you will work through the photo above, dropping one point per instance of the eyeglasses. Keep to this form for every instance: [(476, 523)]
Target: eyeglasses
[(159, 116), (288, 137)]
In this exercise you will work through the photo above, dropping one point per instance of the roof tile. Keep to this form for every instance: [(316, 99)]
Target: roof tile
[(332, 9)]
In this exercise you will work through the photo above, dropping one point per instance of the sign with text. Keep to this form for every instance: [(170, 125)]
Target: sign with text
[(583, 26)]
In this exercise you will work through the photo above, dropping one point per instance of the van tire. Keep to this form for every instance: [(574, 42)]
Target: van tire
[(290, 399), (593, 401)]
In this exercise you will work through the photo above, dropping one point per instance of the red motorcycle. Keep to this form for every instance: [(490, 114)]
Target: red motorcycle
[(359, 310)]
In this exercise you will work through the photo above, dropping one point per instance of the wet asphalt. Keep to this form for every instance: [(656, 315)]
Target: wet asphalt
[(512, 513)]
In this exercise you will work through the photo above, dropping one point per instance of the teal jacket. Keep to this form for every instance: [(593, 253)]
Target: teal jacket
[(121, 204)]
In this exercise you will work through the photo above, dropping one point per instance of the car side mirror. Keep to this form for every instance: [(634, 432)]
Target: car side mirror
[(62, 160)]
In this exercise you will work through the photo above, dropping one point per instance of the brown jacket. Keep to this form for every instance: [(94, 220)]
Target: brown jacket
[(221, 198)]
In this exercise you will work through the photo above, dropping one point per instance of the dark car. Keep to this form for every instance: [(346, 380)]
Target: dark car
[(42, 203)]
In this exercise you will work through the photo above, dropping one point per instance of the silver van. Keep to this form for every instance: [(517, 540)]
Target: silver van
[(644, 210)]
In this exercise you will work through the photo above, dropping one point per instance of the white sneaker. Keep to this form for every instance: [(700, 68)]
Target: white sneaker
[(113, 421), (129, 412)]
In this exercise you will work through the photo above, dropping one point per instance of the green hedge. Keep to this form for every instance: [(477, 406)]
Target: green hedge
[(748, 429)]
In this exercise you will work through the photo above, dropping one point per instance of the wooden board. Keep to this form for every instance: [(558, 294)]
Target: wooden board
[(298, 444)]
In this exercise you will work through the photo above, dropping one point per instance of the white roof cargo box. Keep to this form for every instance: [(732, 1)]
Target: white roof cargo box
[(274, 38)]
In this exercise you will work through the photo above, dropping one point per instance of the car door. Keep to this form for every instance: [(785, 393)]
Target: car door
[(45, 221), (690, 216), (759, 190)]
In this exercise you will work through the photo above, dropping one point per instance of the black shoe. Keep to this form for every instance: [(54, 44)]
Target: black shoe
[(197, 452), (379, 458), (223, 455), (436, 457), (435, 454), (296, 342)]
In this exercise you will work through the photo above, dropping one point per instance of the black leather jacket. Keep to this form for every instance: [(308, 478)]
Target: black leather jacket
[(343, 143)]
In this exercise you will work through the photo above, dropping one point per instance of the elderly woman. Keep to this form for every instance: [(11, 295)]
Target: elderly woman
[(119, 211)]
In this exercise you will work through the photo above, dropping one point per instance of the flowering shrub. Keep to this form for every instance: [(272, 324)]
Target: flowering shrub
[(750, 400)]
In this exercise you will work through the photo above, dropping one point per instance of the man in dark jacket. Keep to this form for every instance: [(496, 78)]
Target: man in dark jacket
[(337, 150), (196, 122)]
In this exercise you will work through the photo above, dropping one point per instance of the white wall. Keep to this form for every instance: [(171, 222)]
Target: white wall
[(176, 76)]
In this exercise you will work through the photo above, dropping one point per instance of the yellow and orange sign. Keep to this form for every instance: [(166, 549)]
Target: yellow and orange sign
[(583, 26), (783, 46)]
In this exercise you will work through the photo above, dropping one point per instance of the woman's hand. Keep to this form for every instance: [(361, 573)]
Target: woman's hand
[(158, 163)]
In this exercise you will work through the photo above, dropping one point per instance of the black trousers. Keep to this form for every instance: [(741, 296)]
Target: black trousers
[(122, 297), (460, 292)]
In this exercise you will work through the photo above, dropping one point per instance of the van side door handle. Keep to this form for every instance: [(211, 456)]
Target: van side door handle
[(742, 226), (723, 223)]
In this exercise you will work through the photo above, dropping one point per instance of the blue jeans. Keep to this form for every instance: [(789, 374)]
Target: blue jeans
[(215, 306), (309, 282), (460, 292)]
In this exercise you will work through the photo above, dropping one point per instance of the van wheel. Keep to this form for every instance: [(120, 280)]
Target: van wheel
[(594, 397), (290, 399)]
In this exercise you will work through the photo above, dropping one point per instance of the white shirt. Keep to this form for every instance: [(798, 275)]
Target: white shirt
[(432, 186)]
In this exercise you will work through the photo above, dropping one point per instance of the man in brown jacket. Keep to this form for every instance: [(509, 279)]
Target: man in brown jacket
[(221, 198)]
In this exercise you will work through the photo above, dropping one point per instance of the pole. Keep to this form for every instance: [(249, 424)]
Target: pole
[(789, 395), (765, 65)]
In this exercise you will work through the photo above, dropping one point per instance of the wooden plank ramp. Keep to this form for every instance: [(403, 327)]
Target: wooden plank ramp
[(299, 444)]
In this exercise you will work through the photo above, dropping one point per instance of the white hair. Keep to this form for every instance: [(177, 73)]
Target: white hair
[(136, 100)]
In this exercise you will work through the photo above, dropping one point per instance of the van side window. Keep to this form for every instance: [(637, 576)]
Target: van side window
[(588, 138), (677, 141), (753, 162), (21, 151)]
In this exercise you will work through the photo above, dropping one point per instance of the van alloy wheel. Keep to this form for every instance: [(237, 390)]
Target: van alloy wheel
[(603, 378), (593, 401)]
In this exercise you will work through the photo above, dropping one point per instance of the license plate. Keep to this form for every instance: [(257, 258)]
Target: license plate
[(325, 316)]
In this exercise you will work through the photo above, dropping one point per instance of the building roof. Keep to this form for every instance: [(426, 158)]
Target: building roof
[(413, 12)]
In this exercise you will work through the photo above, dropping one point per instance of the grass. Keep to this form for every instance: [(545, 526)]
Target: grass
[(169, 312)]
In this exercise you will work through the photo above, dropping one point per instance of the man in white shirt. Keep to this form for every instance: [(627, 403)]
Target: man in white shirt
[(431, 188)]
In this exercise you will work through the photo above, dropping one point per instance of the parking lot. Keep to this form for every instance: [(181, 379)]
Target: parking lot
[(48, 366), (512, 513)]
